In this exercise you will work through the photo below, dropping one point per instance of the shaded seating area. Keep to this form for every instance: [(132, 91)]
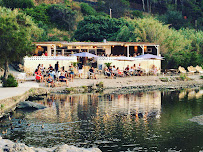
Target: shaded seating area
[(199, 69), (191, 69), (182, 70)]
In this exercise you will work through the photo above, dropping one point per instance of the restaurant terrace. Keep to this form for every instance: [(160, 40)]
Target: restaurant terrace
[(107, 52)]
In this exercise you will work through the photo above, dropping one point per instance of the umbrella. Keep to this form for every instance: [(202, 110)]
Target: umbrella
[(124, 58), (62, 58), (149, 56), (85, 54)]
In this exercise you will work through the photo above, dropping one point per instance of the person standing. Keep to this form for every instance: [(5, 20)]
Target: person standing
[(80, 69), (71, 72), (57, 66)]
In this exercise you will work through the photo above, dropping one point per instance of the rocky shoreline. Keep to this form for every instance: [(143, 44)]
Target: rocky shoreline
[(9, 146)]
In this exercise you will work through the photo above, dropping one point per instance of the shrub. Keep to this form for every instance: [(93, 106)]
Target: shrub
[(18, 3), (108, 64), (201, 77), (87, 9), (184, 77), (10, 81), (137, 14), (2, 106)]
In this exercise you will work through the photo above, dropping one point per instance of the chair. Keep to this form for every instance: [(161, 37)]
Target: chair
[(191, 69), (91, 75), (21, 77), (182, 70), (28, 71), (199, 69), (21, 67)]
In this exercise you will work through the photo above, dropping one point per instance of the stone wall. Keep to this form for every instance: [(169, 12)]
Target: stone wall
[(9, 104)]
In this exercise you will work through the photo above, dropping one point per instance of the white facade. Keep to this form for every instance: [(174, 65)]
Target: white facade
[(54, 49)]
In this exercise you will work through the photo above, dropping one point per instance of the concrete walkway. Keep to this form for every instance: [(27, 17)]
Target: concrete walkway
[(16, 91)]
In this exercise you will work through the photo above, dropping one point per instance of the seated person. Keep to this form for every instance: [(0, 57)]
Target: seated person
[(131, 71), (92, 72), (50, 67), (53, 74), (111, 71), (38, 76), (126, 71), (114, 70), (139, 70), (119, 73), (50, 80), (62, 78), (155, 70), (106, 72)]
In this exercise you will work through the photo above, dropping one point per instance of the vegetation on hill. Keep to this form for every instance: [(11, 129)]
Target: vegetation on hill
[(175, 25)]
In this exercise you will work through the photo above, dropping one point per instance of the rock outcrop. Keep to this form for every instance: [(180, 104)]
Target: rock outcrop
[(30, 105), (7, 145)]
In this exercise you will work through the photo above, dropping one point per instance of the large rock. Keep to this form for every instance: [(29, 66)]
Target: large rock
[(198, 119), (30, 105), (9, 146), (67, 148)]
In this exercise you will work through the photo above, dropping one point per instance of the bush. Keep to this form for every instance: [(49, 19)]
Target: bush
[(201, 77), (137, 14), (18, 3), (87, 9), (184, 77), (108, 64), (10, 81)]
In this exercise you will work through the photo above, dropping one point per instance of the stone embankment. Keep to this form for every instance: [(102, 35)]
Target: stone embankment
[(9, 104), (9, 146)]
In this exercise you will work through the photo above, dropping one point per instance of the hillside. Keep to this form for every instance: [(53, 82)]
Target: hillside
[(175, 25)]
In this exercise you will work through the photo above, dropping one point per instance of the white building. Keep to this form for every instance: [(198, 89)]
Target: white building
[(46, 52)]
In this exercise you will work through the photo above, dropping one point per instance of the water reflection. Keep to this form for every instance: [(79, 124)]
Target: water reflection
[(139, 121)]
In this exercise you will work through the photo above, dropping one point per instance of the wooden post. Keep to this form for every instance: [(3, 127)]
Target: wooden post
[(128, 51), (142, 46)]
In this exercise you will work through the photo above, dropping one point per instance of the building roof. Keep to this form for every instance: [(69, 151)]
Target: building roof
[(108, 43)]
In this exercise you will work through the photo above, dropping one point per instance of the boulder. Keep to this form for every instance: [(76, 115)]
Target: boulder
[(67, 148), (9, 146), (30, 105)]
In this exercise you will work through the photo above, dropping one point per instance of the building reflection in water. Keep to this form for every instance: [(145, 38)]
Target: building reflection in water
[(63, 108), (112, 121)]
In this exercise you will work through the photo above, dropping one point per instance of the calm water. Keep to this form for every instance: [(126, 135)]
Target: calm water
[(141, 121)]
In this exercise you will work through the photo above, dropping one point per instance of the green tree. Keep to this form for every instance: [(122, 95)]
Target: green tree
[(174, 18), (16, 31), (39, 13), (87, 9), (63, 17), (18, 3), (96, 28)]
